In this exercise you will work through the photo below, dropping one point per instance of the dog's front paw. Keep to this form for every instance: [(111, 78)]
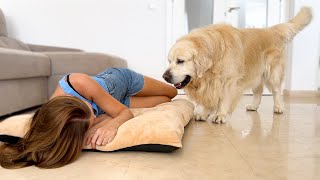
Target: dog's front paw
[(218, 118), (278, 109), (201, 116), (251, 107)]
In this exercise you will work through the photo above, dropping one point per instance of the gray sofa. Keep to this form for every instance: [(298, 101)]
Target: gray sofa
[(30, 73)]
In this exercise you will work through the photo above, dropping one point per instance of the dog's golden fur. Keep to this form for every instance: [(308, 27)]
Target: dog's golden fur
[(223, 61)]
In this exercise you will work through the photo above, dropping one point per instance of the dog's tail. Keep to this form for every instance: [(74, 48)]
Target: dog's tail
[(290, 29)]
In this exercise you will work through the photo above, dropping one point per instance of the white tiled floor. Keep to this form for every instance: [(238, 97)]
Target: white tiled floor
[(251, 145)]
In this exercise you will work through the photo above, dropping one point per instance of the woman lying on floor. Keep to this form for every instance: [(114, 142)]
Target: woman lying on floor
[(67, 122)]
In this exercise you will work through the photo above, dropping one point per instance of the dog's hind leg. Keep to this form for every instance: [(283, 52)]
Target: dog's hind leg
[(257, 93), (277, 98), (274, 81)]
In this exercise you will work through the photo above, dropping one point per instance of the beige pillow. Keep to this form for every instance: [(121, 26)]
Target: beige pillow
[(152, 129)]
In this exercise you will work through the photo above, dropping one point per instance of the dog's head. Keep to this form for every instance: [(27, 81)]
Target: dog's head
[(187, 61)]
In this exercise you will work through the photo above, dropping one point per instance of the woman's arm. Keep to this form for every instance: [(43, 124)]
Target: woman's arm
[(106, 130), (101, 122), (91, 90)]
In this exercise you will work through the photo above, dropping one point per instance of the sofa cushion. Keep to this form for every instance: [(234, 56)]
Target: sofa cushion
[(46, 48), (12, 43), (82, 62), (17, 64)]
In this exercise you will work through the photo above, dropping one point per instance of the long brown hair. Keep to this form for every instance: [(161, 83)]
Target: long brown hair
[(55, 138)]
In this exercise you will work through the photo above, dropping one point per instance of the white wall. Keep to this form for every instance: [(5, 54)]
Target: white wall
[(137, 30), (134, 30), (305, 51)]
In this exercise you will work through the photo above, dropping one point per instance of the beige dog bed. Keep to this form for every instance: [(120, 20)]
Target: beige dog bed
[(152, 129)]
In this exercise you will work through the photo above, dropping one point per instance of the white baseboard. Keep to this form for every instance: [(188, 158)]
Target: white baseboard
[(288, 93), (307, 94)]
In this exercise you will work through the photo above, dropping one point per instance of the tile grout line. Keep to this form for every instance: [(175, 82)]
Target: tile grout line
[(240, 154)]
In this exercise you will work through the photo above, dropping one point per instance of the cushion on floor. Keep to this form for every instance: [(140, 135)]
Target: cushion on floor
[(159, 128)]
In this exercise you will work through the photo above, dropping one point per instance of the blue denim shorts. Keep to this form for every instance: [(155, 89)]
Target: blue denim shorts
[(122, 83)]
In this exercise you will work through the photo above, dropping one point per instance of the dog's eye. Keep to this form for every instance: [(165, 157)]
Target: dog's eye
[(179, 61)]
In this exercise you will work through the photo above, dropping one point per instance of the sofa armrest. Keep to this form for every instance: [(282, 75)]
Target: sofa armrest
[(82, 62), (44, 48), (16, 64)]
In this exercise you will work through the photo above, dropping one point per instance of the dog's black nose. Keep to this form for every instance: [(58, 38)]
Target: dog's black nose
[(167, 76)]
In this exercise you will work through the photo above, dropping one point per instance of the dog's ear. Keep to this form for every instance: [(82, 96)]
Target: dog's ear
[(203, 62)]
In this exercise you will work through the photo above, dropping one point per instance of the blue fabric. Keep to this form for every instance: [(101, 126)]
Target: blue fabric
[(120, 83)]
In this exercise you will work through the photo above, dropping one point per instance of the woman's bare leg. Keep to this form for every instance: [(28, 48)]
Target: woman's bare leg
[(154, 92)]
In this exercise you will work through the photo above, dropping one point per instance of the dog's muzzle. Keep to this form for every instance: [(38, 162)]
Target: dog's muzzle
[(182, 84), (167, 76)]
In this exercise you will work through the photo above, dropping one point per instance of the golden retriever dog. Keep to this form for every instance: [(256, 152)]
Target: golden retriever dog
[(215, 64)]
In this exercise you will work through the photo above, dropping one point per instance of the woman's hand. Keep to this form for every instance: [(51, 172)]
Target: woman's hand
[(105, 128), (102, 132)]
